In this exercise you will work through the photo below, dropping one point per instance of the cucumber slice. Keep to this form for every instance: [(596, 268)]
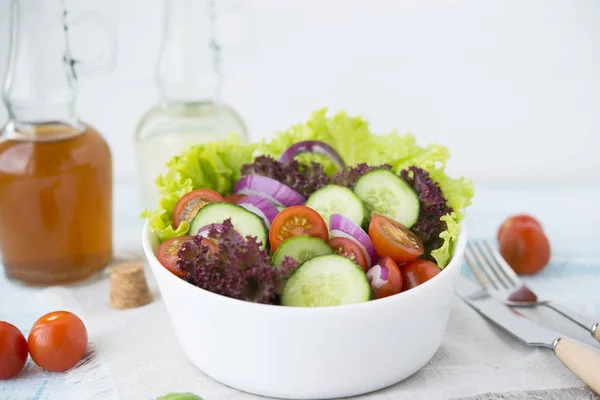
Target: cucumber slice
[(280, 208), (301, 248), (245, 222), (329, 280), (333, 199), (385, 193)]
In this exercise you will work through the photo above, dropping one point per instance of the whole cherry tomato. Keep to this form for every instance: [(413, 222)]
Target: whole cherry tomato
[(516, 220), (417, 272), (13, 350), (393, 284), (57, 341), (525, 247)]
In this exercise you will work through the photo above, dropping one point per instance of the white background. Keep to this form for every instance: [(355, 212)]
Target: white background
[(511, 86)]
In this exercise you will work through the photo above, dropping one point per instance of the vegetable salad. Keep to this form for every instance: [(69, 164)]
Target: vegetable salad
[(325, 213)]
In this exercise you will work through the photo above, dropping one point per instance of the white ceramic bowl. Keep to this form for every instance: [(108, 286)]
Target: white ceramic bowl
[(308, 353)]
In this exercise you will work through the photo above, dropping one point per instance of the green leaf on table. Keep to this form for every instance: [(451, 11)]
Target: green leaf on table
[(179, 396)]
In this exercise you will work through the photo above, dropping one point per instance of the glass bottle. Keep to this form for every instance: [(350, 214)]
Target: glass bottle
[(189, 81), (55, 171)]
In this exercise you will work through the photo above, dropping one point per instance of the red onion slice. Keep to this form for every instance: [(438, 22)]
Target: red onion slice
[(315, 147), (345, 227), (378, 276), (259, 206), (270, 189)]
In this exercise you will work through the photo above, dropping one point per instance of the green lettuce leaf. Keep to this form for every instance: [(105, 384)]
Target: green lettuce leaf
[(216, 165), (443, 254)]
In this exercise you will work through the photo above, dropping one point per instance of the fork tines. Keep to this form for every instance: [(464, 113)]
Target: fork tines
[(488, 266)]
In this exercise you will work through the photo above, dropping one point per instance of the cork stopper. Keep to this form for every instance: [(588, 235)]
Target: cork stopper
[(128, 286)]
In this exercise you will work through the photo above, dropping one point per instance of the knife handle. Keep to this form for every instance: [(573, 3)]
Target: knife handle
[(581, 320), (581, 360)]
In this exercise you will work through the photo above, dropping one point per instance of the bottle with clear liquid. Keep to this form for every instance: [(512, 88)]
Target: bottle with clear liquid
[(189, 81), (55, 171)]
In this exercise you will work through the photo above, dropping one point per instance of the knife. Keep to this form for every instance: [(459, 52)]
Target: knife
[(581, 360)]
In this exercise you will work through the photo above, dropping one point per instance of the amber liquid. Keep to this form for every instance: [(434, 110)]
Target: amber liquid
[(55, 204)]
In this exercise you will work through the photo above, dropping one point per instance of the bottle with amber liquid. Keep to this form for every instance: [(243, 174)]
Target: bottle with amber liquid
[(55, 171)]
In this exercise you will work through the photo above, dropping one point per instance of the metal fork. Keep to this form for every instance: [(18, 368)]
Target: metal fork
[(501, 282)]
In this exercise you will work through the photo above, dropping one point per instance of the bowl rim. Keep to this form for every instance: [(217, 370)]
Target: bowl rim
[(455, 263)]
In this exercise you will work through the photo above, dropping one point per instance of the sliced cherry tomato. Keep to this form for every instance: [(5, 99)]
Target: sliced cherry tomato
[(234, 198), (417, 272), (212, 246), (394, 240), (58, 341), (187, 207), (516, 220), (525, 247), (296, 221), (349, 249), (394, 282), (13, 350), (167, 253)]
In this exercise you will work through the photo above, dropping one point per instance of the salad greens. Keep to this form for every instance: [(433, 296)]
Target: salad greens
[(433, 206), (234, 266), (214, 165), (350, 176), (217, 165), (302, 178)]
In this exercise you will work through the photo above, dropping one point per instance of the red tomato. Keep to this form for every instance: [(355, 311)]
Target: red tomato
[(167, 253), (394, 240), (417, 272), (525, 247), (212, 246), (296, 221), (349, 249), (58, 341), (394, 282), (187, 207), (13, 350), (234, 198), (516, 220)]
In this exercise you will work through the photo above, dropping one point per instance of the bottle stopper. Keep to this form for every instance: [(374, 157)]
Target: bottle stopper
[(128, 286)]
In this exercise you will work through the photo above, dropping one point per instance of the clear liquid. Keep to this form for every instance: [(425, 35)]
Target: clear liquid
[(168, 130)]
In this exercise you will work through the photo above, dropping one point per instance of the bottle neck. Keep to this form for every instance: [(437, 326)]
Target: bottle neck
[(40, 84), (188, 66)]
